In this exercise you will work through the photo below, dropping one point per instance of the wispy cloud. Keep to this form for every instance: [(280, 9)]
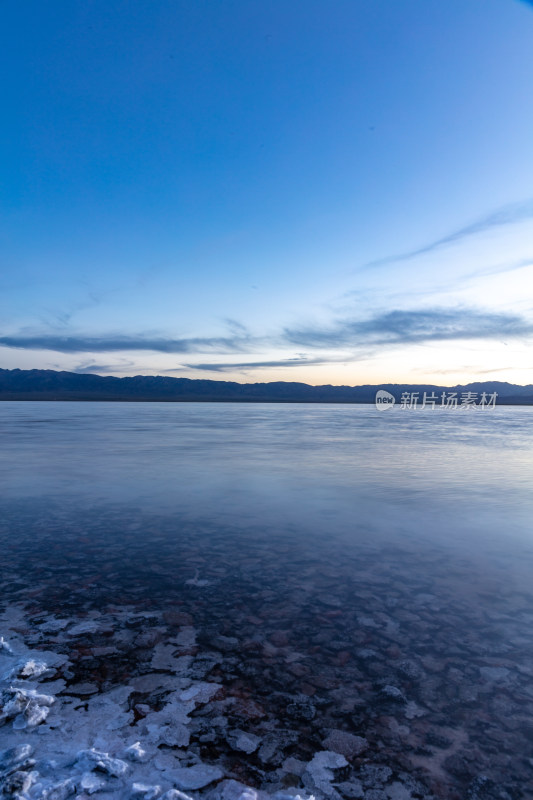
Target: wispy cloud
[(235, 327), (413, 326), (508, 215), (64, 316), (251, 365), (500, 269), (109, 344), (347, 338)]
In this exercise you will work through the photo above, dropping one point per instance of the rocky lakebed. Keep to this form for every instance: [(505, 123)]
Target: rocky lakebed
[(142, 658)]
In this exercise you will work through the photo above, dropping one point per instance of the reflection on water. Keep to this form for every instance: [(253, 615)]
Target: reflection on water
[(357, 582)]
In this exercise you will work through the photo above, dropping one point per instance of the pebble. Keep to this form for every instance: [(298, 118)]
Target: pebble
[(245, 742)]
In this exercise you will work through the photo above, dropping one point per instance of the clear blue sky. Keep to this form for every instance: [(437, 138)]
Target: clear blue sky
[(332, 192)]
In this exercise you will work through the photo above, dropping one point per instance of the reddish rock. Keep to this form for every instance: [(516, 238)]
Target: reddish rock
[(297, 669), (148, 638), (175, 617), (279, 638), (343, 656), (322, 682), (245, 707), (254, 620)]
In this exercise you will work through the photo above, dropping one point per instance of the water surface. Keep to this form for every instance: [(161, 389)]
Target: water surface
[(345, 555)]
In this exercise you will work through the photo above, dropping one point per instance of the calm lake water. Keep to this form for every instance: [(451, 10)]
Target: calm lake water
[(392, 552), (338, 470)]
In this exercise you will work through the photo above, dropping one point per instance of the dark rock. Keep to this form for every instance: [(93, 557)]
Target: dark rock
[(302, 710), (374, 775), (391, 694)]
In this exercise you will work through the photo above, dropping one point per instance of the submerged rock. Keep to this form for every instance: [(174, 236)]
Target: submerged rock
[(17, 783), (141, 791), (30, 668), (391, 694), (352, 790), (5, 647), (135, 752), (27, 707), (245, 742), (301, 709), (321, 772), (197, 777), (271, 750), (175, 794), (14, 755), (345, 743), (495, 674), (103, 762), (91, 783), (59, 791), (232, 790), (374, 775)]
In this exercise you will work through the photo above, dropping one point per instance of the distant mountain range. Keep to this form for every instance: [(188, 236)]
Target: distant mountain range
[(44, 384)]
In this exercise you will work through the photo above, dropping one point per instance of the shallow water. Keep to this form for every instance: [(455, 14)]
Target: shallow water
[(337, 550)]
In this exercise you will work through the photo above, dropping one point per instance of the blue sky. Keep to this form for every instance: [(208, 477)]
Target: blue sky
[(332, 192)]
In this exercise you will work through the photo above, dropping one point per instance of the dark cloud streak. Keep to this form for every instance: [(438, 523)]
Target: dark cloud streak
[(110, 344), (248, 365), (411, 327), (345, 335)]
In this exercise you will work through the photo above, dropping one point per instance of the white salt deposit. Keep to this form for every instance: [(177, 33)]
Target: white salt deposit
[(68, 740)]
